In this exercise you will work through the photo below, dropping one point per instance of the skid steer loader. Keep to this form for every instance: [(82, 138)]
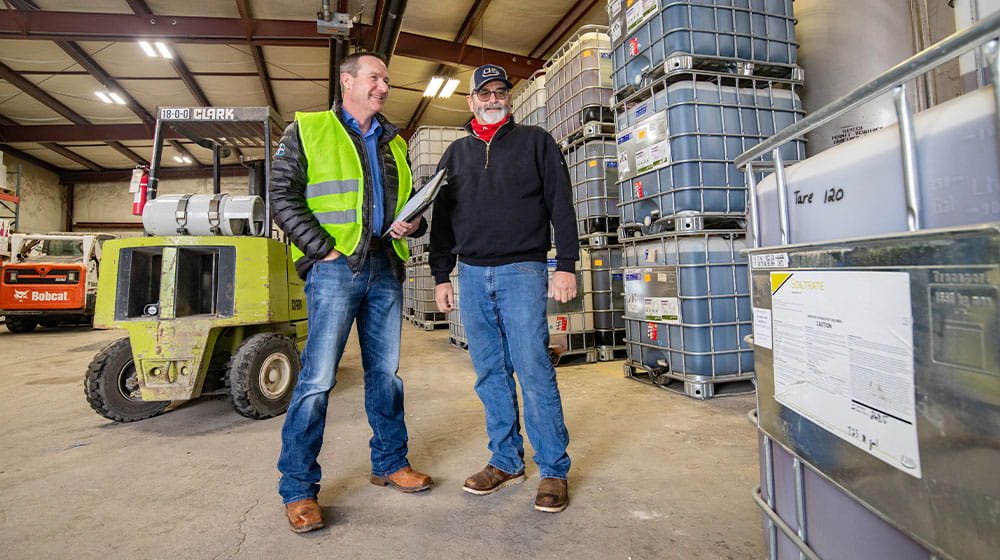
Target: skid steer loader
[(51, 280), (210, 300)]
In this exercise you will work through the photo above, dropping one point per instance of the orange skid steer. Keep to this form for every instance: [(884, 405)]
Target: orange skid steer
[(50, 280)]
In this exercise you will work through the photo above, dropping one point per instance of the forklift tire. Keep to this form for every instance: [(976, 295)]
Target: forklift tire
[(262, 375), (19, 325), (112, 386)]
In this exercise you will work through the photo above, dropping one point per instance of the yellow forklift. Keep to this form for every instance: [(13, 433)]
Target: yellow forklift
[(209, 298)]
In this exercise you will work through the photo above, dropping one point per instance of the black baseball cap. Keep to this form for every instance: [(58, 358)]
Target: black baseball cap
[(488, 73)]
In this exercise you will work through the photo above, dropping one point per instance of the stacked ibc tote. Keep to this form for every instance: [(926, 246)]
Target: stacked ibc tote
[(426, 148), (528, 101), (696, 84), (578, 115), (875, 280)]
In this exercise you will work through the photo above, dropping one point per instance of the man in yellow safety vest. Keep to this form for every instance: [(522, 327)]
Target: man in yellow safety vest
[(338, 179)]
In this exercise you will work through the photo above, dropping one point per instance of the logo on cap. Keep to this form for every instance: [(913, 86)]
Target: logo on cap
[(490, 71)]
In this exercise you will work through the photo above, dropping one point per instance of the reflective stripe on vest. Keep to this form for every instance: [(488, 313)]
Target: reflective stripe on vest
[(335, 180)]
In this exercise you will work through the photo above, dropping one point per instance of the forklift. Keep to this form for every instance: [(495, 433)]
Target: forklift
[(209, 297)]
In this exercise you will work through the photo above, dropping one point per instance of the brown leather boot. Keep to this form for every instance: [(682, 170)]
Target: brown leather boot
[(304, 515), (489, 480), (553, 495), (405, 480)]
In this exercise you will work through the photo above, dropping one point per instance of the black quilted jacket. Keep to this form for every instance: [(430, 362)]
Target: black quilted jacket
[(288, 202)]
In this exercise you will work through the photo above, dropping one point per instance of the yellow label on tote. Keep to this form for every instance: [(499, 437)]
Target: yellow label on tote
[(598, 262), (593, 163), (587, 53)]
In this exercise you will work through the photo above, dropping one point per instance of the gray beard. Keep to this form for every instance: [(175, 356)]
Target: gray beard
[(490, 118)]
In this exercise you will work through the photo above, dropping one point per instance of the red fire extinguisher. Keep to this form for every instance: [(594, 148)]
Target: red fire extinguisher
[(140, 186)]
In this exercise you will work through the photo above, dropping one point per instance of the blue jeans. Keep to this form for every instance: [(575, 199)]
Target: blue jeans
[(336, 298), (503, 311)]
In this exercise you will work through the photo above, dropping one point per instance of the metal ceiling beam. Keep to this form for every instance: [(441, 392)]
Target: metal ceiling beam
[(54, 104), (210, 74), (247, 24), (140, 8), (390, 23), (450, 52), (80, 133), (7, 148), (27, 86), (73, 156), (123, 150), (189, 81), (568, 23), (472, 19), (28, 9), (90, 65), (78, 26), (123, 175)]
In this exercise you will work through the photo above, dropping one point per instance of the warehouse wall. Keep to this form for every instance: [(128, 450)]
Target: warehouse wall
[(43, 199), (112, 203), (44, 202)]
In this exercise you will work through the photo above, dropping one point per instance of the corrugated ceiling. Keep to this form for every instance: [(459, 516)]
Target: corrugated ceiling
[(54, 54)]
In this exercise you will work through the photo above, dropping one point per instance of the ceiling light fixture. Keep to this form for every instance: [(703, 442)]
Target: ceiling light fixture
[(117, 98), (162, 47), (103, 97), (148, 48), (433, 87), (448, 89), (178, 159)]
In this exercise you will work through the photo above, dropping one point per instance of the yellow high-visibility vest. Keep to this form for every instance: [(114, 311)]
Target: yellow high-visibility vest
[(335, 180)]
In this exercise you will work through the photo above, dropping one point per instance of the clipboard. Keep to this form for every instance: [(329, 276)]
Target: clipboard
[(420, 200)]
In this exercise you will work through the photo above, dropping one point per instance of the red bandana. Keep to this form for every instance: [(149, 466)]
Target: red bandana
[(486, 131)]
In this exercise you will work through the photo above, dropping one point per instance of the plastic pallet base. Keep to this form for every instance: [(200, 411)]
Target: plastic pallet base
[(708, 223), (574, 357), (589, 131), (600, 240), (611, 353), (679, 67), (422, 321), (598, 225), (462, 344), (741, 385), (420, 258)]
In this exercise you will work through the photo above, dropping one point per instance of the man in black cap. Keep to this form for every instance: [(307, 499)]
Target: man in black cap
[(507, 183)]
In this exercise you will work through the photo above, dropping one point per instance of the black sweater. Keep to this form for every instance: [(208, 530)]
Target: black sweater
[(499, 200)]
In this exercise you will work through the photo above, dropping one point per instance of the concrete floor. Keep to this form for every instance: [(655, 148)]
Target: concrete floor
[(655, 475)]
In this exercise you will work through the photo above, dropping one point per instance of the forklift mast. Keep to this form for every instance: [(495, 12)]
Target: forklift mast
[(222, 130)]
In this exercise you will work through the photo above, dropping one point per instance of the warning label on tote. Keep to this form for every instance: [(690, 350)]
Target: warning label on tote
[(843, 358)]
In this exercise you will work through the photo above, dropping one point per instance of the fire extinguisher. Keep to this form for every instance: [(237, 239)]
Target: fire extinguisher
[(139, 188)]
